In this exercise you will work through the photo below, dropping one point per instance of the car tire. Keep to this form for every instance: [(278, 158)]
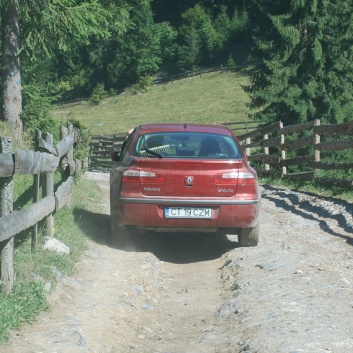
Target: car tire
[(119, 236), (249, 236)]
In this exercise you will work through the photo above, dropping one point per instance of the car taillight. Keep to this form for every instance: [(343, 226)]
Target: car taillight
[(246, 178), (131, 176), (226, 179), (151, 177), (140, 176)]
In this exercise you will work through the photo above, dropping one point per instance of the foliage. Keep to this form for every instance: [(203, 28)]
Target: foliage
[(200, 38), (139, 53), (37, 99), (81, 150), (98, 94), (64, 24), (36, 272), (305, 61)]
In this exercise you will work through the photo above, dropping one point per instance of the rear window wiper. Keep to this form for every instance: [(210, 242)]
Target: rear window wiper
[(153, 153)]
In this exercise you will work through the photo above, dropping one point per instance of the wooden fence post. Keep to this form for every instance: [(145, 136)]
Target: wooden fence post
[(48, 189), (316, 142), (6, 207), (247, 140), (283, 152), (36, 187), (266, 151)]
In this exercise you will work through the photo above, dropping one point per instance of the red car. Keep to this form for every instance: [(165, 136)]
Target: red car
[(183, 177)]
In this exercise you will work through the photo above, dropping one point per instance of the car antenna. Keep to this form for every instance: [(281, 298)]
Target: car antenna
[(185, 126)]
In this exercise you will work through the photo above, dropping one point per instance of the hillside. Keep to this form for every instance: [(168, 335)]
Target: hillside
[(213, 97)]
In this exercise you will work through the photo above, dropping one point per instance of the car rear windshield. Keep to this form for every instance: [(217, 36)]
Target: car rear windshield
[(187, 145)]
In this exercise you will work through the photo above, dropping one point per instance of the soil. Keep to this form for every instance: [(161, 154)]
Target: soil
[(200, 293)]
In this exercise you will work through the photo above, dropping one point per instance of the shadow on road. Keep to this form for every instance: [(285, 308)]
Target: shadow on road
[(315, 211), (169, 247)]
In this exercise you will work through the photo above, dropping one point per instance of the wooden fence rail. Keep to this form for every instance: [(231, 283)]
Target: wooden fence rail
[(101, 146), (268, 147), (45, 161), (309, 134)]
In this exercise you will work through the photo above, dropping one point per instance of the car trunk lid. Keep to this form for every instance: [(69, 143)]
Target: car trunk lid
[(180, 178)]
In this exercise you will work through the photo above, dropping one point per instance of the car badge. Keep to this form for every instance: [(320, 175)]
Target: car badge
[(189, 180)]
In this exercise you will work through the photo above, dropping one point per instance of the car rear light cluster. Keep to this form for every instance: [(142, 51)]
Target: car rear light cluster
[(140, 176), (236, 178), (246, 178), (226, 179)]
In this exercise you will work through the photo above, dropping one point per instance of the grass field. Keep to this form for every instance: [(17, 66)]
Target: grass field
[(211, 98)]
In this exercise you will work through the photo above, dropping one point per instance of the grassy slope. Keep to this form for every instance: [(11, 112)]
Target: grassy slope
[(212, 98)]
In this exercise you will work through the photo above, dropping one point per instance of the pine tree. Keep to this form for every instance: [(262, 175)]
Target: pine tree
[(44, 25), (305, 68)]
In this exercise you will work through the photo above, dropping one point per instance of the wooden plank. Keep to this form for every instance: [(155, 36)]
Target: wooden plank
[(31, 162), (64, 193), (6, 165), (296, 161), (296, 128), (7, 273), (15, 223), (272, 142), (270, 159), (46, 147), (253, 144), (303, 142), (344, 129), (102, 153), (64, 146), (48, 188), (334, 145), (251, 134), (271, 128), (332, 165), (36, 195), (255, 157), (95, 158), (115, 137)]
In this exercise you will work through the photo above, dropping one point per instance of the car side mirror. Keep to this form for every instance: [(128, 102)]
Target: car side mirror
[(114, 156)]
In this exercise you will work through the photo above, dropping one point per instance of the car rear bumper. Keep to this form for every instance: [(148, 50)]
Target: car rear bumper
[(150, 213)]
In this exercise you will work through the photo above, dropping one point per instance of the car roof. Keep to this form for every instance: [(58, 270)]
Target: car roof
[(184, 127)]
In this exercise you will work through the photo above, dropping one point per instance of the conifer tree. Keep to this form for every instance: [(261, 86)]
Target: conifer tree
[(43, 25), (305, 60)]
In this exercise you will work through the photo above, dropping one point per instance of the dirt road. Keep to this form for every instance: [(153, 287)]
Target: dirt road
[(203, 294)]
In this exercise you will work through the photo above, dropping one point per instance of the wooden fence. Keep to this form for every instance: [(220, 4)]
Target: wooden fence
[(271, 144), (199, 72), (101, 146), (45, 161), (268, 148)]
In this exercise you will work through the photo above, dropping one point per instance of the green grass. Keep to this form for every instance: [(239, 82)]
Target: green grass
[(212, 98), (34, 270)]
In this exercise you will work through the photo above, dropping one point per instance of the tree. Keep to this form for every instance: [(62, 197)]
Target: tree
[(45, 25), (305, 66), (200, 37), (11, 75)]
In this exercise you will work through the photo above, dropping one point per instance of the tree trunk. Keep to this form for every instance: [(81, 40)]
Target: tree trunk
[(11, 75)]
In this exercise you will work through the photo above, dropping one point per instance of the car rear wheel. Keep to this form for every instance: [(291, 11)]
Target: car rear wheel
[(249, 236), (119, 236)]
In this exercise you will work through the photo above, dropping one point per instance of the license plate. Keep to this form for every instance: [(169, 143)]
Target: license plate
[(187, 212)]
